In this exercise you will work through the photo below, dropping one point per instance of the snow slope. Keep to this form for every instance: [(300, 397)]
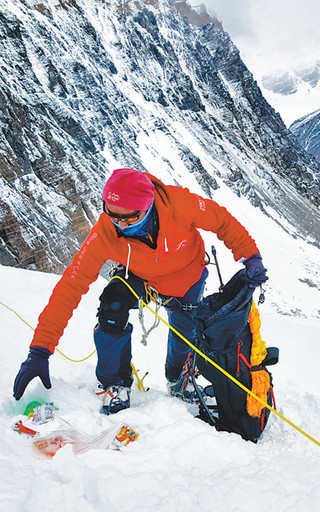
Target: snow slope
[(178, 463)]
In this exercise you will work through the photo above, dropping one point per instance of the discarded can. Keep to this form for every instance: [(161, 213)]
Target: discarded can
[(43, 413)]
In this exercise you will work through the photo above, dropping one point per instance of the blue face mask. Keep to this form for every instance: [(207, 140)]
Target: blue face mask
[(140, 228)]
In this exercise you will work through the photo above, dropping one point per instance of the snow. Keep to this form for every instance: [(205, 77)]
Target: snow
[(178, 463), (307, 119)]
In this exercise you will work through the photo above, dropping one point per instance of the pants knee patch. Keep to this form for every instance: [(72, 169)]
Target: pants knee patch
[(113, 312)]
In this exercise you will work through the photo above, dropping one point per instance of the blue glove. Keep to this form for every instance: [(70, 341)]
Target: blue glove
[(256, 273), (35, 365)]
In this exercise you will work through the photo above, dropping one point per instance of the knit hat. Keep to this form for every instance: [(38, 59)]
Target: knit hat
[(129, 189)]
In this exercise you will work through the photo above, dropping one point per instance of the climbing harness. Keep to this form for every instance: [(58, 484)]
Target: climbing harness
[(277, 413), (196, 349), (152, 295)]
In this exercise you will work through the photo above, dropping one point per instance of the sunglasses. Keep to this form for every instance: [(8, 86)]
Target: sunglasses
[(130, 217)]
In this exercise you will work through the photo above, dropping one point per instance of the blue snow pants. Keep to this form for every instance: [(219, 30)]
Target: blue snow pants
[(112, 335)]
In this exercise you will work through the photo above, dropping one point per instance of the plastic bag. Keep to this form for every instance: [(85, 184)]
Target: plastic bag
[(115, 437)]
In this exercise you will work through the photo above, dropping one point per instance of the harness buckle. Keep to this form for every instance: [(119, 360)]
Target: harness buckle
[(188, 307)]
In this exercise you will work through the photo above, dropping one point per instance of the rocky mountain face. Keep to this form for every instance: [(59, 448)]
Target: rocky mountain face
[(87, 86), (307, 131)]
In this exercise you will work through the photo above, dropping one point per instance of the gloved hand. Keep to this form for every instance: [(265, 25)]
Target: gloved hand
[(256, 273), (35, 365)]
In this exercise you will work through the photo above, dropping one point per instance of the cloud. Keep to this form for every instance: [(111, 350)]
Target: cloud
[(235, 15), (271, 33)]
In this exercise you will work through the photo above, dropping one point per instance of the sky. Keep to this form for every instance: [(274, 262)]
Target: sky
[(276, 32)]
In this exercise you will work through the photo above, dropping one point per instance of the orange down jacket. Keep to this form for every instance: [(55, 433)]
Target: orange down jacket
[(171, 268)]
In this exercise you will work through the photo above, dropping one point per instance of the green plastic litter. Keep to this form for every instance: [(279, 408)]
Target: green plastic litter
[(31, 406)]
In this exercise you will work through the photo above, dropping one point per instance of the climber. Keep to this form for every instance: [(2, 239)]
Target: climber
[(151, 231)]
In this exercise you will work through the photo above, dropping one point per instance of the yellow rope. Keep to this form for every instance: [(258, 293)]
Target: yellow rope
[(139, 383), (76, 360), (24, 321), (221, 369), (17, 314), (228, 375)]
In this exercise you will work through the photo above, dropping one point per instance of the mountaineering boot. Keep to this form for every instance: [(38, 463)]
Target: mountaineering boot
[(183, 386), (185, 391), (114, 398)]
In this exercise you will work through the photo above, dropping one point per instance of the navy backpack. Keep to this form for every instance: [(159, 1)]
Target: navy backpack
[(224, 335)]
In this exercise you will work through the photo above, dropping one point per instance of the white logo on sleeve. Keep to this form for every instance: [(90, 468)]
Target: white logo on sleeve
[(202, 204)]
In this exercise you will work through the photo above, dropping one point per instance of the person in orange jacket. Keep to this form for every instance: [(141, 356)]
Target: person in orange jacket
[(151, 231)]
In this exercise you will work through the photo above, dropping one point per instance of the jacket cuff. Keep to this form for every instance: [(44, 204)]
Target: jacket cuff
[(43, 344), (242, 260), (40, 351)]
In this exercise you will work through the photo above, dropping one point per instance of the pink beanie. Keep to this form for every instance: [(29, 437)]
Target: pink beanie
[(129, 189)]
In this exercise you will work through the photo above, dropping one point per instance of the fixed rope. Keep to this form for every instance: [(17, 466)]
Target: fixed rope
[(25, 322), (198, 351), (139, 382), (228, 375)]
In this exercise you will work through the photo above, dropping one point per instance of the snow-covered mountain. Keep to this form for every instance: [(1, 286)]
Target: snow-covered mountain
[(289, 81), (293, 90), (89, 85), (307, 131)]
